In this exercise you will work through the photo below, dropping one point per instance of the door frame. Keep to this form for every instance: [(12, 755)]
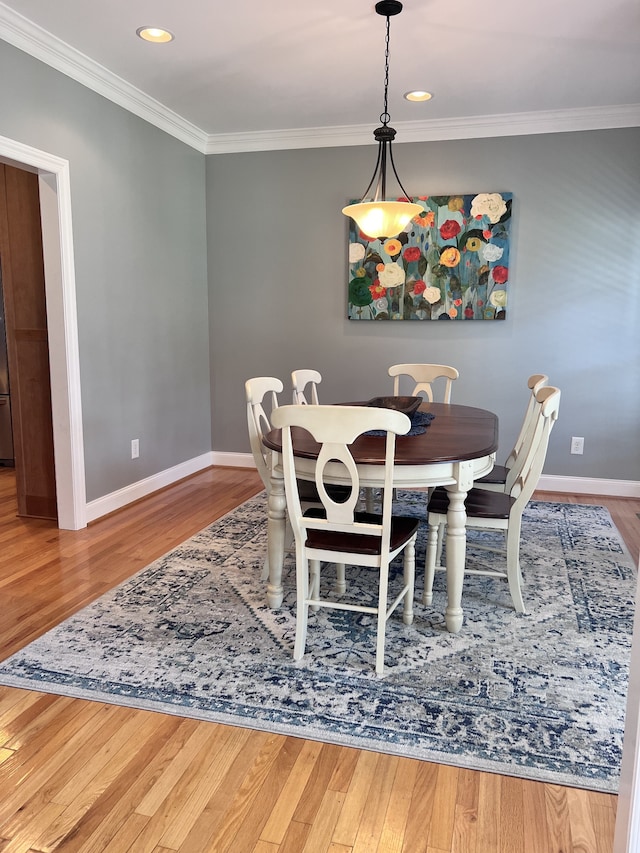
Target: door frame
[(62, 324)]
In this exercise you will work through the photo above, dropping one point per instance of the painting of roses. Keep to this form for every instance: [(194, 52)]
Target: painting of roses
[(450, 263)]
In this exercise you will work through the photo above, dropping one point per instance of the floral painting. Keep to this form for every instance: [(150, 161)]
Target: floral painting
[(450, 263)]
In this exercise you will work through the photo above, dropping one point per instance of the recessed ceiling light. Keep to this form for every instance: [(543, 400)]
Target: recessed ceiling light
[(154, 34), (418, 96)]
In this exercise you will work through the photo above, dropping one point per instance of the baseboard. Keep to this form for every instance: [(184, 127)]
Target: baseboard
[(117, 500), (233, 460), (129, 494), (589, 486)]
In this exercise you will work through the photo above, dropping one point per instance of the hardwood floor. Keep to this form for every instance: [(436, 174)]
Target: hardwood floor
[(85, 776)]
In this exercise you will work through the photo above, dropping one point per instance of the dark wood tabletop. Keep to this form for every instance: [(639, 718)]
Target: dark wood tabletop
[(456, 433)]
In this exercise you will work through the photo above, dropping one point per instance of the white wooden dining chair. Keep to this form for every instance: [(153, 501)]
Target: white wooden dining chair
[(502, 477), (261, 391), (305, 382), (498, 510), (300, 381), (258, 391), (338, 531), (423, 376)]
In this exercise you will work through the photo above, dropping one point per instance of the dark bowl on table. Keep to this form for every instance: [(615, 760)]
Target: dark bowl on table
[(406, 405)]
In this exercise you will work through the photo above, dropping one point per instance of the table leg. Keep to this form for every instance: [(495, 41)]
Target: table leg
[(276, 525), (456, 553)]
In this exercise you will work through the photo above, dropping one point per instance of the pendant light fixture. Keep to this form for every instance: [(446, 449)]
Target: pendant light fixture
[(379, 217)]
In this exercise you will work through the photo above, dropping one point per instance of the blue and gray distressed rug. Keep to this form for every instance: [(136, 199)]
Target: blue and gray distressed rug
[(540, 696)]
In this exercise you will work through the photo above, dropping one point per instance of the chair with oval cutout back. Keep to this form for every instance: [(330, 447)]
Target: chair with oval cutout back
[(258, 391), (338, 531), (423, 377), (300, 380), (502, 477), (498, 510)]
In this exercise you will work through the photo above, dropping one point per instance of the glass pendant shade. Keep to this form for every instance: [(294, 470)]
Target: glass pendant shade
[(382, 219)]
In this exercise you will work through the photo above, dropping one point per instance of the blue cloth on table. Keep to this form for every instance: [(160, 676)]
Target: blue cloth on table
[(419, 423)]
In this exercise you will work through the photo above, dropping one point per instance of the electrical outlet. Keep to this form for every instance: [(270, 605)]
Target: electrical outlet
[(135, 448), (577, 444)]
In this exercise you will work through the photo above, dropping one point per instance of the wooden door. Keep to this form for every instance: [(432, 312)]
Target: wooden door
[(27, 342)]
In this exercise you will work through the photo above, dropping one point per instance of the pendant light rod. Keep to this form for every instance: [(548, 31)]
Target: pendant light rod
[(384, 134), (385, 218), (383, 8)]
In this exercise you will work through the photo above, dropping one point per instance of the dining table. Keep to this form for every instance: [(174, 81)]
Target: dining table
[(456, 448)]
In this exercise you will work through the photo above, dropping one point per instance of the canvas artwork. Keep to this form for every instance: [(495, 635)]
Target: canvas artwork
[(450, 263)]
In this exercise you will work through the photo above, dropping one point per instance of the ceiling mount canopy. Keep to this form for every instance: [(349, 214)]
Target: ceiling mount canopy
[(377, 217)]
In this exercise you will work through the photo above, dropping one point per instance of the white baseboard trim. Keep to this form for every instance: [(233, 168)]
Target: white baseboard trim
[(129, 494), (589, 486), (233, 460)]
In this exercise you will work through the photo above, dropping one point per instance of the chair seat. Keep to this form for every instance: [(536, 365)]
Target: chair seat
[(497, 476), (309, 493), (480, 503), (402, 529)]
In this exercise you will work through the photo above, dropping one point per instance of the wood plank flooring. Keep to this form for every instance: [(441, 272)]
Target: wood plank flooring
[(86, 776)]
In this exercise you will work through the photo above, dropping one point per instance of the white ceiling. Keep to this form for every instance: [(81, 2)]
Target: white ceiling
[(256, 66)]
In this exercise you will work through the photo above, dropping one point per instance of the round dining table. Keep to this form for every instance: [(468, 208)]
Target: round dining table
[(456, 448)]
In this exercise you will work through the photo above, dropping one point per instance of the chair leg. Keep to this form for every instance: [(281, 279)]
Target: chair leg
[(314, 582), (513, 565), (433, 538), (409, 580), (441, 530), (341, 583), (265, 569), (302, 608), (382, 618), (369, 500)]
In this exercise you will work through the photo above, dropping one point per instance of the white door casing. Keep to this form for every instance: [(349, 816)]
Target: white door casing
[(62, 324)]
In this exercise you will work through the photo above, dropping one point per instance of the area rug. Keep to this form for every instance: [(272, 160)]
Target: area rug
[(540, 696)]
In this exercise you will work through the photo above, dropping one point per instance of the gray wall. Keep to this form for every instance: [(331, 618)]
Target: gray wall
[(138, 199), (164, 360), (277, 283)]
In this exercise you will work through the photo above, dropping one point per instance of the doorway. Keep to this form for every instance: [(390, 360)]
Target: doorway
[(59, 271), (28, 387)]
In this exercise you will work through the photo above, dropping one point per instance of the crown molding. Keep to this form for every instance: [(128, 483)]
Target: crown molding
[(37, 42), (472, 127)]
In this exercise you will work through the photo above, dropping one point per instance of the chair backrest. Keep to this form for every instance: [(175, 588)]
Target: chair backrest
[(256, 390), (534, 451), (335, 428), (534, 383), (299, 381), (424, 375)]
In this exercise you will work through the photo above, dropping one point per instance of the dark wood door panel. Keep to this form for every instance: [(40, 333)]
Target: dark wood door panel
[(27, 341)]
